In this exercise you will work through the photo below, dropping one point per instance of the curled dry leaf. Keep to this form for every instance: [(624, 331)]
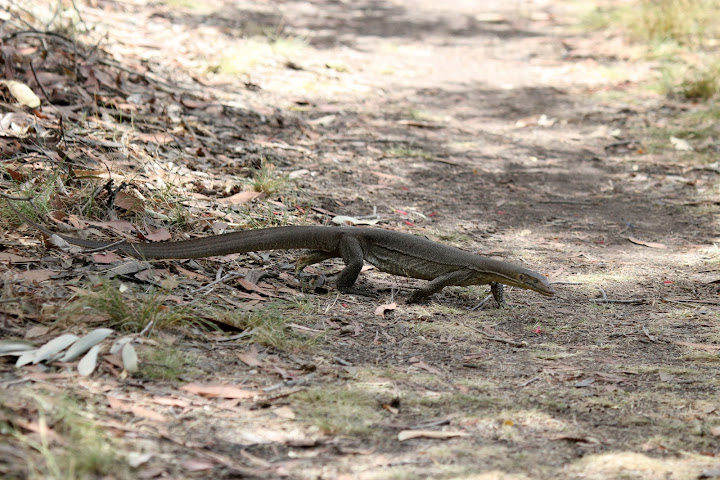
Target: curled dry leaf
[(15, 124), (88, 363), (22, 93)]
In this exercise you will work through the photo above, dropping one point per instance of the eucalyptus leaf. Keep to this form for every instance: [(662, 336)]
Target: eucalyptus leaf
[(88, 363), (119, 344), (130, 358), (54, 346), (86, 343), (26, 358), (15, 346)]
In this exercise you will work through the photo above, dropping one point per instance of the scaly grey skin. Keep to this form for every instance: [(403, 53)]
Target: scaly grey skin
[(391, 252)]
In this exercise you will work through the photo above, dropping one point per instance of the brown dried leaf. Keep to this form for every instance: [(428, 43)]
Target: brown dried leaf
[(171, 401), (285, 412), (37, 331), (159, 235), (190, 273), (239, 198), (218, 391), (130, 203), (9, 258), (250, 358), (253, 287), (646, 244), (442, 435), (707, 347), (426, 367), (156, 137), (380, 311), (198, 464), (144, 412), (105, 258)]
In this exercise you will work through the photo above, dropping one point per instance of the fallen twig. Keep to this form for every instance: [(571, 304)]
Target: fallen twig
[(616, 300), (647, 334), (525, 384), (508, 341)]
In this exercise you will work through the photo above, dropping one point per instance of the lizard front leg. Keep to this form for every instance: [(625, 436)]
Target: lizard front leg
[(498, 293), (437, 284)]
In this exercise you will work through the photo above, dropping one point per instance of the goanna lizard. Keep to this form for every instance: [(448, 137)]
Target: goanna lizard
[(391, 252)]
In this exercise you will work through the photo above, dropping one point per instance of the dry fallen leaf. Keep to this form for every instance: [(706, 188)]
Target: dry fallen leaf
[(36, 276), (130, 358), (218, 391), (646, 244), (159, 235), (53, 347), (198, 464), (426, 367), (106, 258), (129, 202), (408, 434), (155, 137), (37, 331), (708, 347), (88, 363), (250, 357), (6, 257), (681, 144), (86, 343), (238, 198), (15, 347), (284, 412), (380, 311), (22, 93), (171, 401)]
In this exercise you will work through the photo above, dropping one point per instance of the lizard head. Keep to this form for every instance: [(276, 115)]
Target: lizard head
[(531, 281)]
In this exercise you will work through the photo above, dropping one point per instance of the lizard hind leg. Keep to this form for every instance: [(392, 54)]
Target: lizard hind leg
[(352, 254), (313, 257), (308, 259)]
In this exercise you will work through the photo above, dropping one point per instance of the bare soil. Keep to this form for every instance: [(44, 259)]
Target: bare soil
[(498, 127)]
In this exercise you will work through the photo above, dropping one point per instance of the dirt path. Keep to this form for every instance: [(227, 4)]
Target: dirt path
[(495, 128)]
